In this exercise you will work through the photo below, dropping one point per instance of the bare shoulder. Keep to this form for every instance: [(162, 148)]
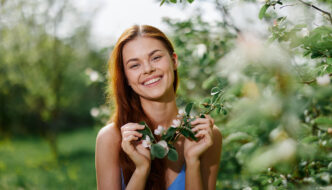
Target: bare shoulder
[(109, 134), (108, 140), (108, 146), (217, 135)]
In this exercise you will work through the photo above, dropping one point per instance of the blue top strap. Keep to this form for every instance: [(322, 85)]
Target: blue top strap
[(178, 184), (180, 180)]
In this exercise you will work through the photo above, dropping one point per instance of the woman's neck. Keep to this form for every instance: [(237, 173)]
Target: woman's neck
[(160, 113)]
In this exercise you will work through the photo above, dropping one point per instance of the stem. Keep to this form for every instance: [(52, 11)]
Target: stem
[(177, 135), (213, 106), (320, 10), (288, 5), (311, 81)]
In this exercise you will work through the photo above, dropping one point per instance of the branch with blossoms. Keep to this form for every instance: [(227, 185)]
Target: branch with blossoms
[(180, 126)]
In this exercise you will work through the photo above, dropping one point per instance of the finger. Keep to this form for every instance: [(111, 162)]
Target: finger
[(199, 121), (127, 133), (210, 118), (132, 127), (201, 133), (206, 136), (130, 138), (201, 127)]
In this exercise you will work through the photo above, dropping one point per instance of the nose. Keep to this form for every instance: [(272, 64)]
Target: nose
[(148, 67)]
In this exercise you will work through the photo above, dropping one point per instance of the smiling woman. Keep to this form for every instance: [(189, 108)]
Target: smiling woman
[(143, 68)]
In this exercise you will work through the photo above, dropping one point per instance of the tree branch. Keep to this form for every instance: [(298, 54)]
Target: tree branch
[(320, 10), (314, 80)]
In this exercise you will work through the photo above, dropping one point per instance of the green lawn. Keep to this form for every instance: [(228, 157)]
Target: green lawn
[(27, 163)]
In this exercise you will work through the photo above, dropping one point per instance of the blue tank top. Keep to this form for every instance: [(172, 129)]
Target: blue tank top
[(178, 183)]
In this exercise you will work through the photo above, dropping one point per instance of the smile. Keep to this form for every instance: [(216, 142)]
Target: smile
[(152, 81)]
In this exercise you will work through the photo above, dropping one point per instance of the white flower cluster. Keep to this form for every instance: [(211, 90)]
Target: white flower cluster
[(323, 80), (164, 145), (147, 142), (160, 130), (176, 123)]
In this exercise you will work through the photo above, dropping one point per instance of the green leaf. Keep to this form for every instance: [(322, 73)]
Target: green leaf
[(172, 155), (215, 97), (309, 139), (146, 131), (206, 103), (190, 1), (323, 120), (162, 2), (188, 108), (329, 60), (169, 134), (188, 133), (172, 1), (263, 11), (215, 90), (158, 151), (218, 110)]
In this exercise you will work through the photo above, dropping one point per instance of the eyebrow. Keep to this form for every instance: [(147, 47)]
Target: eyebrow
[(150, 54)]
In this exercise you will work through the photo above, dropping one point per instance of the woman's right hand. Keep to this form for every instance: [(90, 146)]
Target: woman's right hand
[(134, 149)]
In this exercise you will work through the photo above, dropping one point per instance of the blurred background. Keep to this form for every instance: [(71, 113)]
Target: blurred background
[(272, 58)]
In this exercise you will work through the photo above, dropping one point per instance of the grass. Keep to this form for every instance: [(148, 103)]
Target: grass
[(27, 163)]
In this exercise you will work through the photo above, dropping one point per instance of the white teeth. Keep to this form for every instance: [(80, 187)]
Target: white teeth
[(152, 81)]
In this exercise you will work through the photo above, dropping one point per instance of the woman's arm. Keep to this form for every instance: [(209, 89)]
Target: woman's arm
[(210, 161), (202, 157), (108, 146), (107, 161)]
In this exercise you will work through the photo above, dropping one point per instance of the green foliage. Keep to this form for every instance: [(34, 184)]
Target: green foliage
[(172, 155), (27, 163), (277, 133), (146, 131), (158, 151), (263, 11), (45, 77), (181, 126)]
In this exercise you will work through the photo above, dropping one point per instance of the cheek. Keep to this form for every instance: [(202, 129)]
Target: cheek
[(132, 78)]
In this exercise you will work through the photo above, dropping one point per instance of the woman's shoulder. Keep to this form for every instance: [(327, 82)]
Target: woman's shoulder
[(109, 135), (217, 134)]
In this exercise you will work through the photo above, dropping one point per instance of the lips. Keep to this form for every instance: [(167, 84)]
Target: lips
[(152, 80)]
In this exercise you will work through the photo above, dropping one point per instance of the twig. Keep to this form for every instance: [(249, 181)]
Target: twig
[(288, 5), (227, 18), (320, 10), (311, 81)]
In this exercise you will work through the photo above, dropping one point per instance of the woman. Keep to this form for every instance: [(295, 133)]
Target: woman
[(143, 68)]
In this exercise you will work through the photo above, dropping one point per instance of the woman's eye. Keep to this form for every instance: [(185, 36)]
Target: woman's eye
[(133, 66), (156, 58)]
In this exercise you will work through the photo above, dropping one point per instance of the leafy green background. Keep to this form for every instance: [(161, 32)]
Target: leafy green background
[(277, 132)]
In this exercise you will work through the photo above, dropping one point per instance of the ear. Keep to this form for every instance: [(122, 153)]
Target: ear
[(175, 60)]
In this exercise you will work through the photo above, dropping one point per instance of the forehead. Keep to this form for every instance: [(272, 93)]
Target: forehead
[(141, 46)]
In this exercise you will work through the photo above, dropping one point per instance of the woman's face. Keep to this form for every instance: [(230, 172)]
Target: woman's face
[(149, 68)]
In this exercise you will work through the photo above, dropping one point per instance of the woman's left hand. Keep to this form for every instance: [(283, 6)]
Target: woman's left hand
[(194, 149)]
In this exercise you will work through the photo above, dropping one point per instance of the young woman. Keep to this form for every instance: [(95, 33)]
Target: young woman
[(143, 82)]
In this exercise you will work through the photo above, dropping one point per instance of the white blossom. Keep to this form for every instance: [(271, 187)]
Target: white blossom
[(176, 123), (94, 112), (94, 76), (164, 145), (305, 32), (147, 142), (323, 80), (181, 111), (160, 130), (200, 50)]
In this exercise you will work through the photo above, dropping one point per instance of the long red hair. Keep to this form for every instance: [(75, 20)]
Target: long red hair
[(127, 103)]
